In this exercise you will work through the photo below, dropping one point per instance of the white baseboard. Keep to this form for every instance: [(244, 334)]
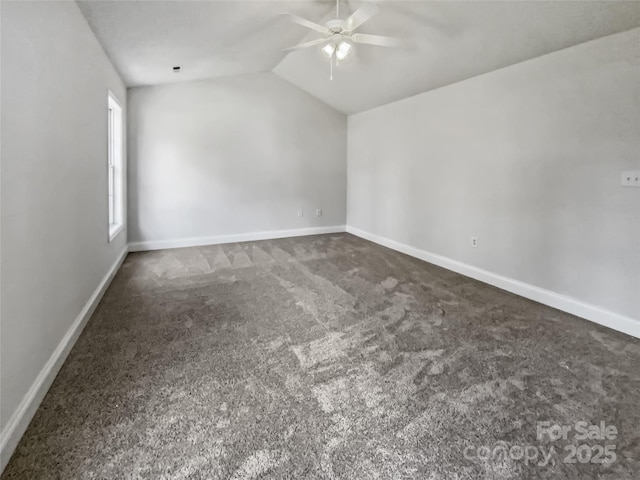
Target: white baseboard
[(567, 304), (19, 421), (240, 237)]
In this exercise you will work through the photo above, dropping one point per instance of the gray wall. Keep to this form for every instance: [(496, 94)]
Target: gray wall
[(528, 159), (55, 250), (231, 156)]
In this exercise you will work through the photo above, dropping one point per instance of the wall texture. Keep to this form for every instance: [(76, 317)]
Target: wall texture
[(54, 213), (528, 159), (232, 156)]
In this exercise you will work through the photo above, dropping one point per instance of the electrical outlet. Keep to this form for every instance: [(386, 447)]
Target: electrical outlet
[(630, 179), (300, 212), (474, 242), (319, 212)]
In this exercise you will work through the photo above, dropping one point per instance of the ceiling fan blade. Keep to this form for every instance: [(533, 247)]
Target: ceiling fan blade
[(305, 45), (375, 40), (308, 23), (360, 16)]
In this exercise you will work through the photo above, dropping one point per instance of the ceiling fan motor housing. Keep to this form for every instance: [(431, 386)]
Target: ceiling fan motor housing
[(335, 26)]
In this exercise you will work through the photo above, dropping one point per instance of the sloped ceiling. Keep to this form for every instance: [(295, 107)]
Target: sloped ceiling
[(210, 38), (446, 41)]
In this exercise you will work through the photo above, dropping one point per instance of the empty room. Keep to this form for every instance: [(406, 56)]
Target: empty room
[(320, 239)]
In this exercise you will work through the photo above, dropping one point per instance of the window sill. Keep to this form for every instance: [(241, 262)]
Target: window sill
[(114, 230)]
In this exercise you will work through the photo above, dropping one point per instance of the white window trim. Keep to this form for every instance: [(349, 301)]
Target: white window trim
[(116, 183), (114, 230)]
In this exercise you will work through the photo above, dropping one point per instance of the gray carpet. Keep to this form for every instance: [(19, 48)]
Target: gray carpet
[(327, 357)]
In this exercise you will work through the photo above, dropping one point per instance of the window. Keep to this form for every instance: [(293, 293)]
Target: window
[(115, 168)]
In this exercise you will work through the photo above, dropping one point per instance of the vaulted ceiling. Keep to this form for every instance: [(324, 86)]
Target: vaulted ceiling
[(444, 41)]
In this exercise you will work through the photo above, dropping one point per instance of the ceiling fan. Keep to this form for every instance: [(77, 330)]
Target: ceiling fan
[(339, 35)]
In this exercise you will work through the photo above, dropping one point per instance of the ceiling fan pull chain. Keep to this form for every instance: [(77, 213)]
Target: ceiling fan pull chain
[(331, 68)]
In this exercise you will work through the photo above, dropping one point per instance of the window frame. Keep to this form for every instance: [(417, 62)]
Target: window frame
[(115, 166)]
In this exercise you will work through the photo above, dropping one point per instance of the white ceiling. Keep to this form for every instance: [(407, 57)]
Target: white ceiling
[(447, 41), (145, 39)]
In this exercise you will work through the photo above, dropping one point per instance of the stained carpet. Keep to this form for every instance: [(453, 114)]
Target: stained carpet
[(327, 357)]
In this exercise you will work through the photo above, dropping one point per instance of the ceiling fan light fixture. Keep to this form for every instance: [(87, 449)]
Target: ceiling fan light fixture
[(343, 50), (329, 49)]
